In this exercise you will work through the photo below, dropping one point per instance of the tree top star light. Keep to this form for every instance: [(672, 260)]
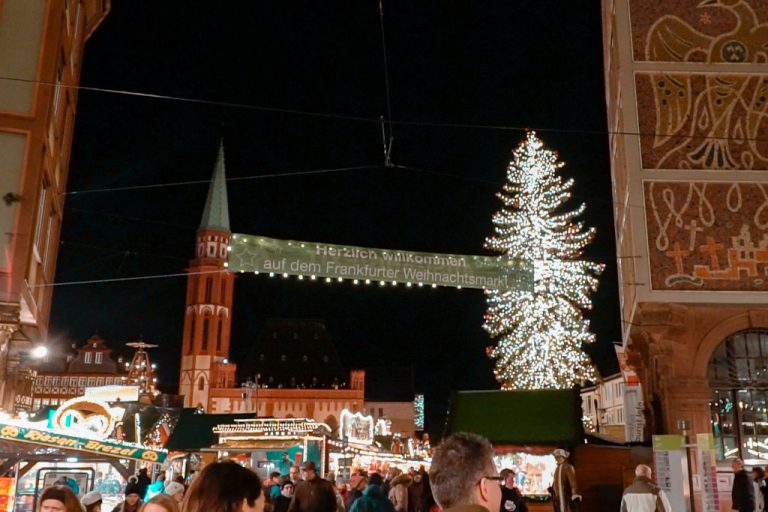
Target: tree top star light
[(540, 335)]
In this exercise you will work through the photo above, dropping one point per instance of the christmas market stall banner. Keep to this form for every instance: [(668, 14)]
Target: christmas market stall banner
[(55, 439), (251, 253)]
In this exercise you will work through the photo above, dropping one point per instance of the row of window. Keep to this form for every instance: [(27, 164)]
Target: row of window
[(47, 219), (64, 381), (42, 402)]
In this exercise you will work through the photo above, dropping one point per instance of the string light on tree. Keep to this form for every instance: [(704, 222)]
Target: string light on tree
[(541, 333)]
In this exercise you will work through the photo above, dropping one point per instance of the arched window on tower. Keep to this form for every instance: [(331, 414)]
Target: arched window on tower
[(218, 338), (201, 384), (191, 338), (208, 289), (206, 329)]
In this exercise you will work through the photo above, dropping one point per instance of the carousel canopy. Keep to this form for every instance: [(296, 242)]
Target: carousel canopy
[(547, 417)]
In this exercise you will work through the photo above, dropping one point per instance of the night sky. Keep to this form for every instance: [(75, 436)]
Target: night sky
[(503, 63)]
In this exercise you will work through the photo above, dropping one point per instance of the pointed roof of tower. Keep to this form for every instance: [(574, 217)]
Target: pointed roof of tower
[(216, 212)]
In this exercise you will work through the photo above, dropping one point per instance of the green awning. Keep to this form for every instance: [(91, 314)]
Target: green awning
[(549, 417), (194, 432)]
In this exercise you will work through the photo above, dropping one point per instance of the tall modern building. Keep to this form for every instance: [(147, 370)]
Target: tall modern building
[(41, 49), (687, 96)]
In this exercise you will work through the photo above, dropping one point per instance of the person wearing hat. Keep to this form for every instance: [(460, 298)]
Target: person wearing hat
[(132, 501), (313, 494), (512, 499), (357, 484), (283, 501), (59, 498), (92, 501), (564, 490), (175, 490)]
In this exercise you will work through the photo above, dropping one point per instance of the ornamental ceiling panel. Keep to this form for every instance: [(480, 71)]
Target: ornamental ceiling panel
[(731, 31), (703, 121), (707, 236)]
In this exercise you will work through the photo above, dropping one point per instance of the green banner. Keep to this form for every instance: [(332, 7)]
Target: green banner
[(251, 253), (104, 447), (668, 443)]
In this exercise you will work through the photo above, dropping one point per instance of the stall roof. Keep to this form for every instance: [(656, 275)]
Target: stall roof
[(195, 431), (546, 417)]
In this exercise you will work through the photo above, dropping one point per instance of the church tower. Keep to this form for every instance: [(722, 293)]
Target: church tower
[(208, 314)]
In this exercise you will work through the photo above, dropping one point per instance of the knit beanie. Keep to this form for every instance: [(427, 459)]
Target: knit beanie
[(133, 488)]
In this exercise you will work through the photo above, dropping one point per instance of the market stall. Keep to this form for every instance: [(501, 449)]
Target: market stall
[(81, 444), (525, 428)]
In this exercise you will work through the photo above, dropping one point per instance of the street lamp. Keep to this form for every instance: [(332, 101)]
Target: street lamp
[(39, 352)]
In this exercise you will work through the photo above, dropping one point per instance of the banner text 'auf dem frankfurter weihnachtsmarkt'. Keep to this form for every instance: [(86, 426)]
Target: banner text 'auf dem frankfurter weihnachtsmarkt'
[(251, 253)]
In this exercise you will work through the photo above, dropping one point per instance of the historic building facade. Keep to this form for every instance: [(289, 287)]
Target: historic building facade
[(41, 49), (292, 370), (686, 90), (61, 377)]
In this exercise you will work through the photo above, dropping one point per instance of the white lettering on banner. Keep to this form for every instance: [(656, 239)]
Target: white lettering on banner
[(250, 253)]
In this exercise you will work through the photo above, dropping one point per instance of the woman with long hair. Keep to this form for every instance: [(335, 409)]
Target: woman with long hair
[(225, 487), (161, 503)]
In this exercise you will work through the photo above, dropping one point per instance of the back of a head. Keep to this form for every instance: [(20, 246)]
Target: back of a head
[(162, 500), (222, 487), (459, 462), (63, 494), (643, 471)]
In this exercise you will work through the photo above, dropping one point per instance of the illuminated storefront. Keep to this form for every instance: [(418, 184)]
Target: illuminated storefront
[(738, 376)]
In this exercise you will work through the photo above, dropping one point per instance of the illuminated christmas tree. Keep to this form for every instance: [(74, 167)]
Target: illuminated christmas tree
[(541, 333)]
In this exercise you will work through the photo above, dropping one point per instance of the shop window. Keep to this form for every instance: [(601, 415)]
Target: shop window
[(738, 377)]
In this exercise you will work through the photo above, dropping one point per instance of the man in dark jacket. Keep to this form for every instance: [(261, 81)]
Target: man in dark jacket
[(742, 492), (512, 499), (313, 494)]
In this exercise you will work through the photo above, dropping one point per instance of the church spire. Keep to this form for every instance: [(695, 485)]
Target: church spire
[(216, 212)]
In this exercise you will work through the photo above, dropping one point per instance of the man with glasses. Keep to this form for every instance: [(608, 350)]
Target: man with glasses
[(463, 475)]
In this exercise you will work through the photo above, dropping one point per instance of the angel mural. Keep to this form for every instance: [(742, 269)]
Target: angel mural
[(712, 120)]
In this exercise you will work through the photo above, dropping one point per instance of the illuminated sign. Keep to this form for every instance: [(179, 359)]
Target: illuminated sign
[(356, 428), (418, 412), (83, 416), (270, 428), (113, 393), (251, 253), (56, 439)]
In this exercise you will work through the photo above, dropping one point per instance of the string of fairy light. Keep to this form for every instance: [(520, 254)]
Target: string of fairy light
[(541, 333)]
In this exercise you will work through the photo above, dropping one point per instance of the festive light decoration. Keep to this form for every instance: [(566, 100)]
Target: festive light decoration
[(541, 334)]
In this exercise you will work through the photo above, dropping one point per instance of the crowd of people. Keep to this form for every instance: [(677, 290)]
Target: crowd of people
[(462, 478)]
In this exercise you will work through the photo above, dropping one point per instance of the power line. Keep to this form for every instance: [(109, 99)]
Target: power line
[(127, 217), (121, 279), (241, 178), (387, 143), (362, 119), (125, 252)]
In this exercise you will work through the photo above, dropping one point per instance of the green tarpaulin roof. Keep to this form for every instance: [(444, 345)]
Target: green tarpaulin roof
[(549, 417), (195, 431)]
